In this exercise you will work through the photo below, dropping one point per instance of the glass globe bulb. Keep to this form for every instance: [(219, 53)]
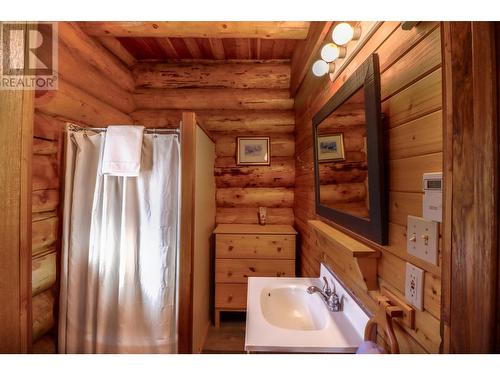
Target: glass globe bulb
[(342, 34), (320, 68), (330, 52)]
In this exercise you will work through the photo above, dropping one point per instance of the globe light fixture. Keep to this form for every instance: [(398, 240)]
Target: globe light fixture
[(331, 52), (343, 33), (320, 68)]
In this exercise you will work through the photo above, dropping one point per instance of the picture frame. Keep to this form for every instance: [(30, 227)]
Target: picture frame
[(330, 147), (253, 151)]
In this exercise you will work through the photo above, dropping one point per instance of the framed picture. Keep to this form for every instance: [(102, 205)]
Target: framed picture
[(253, 151), (330, 147)]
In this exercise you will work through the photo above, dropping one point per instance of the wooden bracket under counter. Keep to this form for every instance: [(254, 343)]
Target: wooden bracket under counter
[(249, 250), (356, 256)]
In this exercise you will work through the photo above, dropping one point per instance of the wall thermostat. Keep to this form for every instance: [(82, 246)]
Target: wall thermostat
[(433, 196)]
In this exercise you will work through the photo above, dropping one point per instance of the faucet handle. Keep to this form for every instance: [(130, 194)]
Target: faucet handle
[(326, 287)]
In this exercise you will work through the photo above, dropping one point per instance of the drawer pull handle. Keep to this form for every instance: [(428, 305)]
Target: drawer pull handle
[(229, 274), (251, 269), (230, 298), (230, 248), (279, 249)]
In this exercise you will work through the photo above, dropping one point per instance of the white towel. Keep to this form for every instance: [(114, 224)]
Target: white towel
[(368, 347), (122, 150)]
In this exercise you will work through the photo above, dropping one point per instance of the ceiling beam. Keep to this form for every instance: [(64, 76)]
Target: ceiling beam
[(304, 54), (265, 30)]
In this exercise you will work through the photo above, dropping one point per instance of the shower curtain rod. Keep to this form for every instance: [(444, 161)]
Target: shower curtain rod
[(147, 131)]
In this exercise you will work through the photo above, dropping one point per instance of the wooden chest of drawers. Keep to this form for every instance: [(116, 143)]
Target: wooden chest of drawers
[(249, 250)]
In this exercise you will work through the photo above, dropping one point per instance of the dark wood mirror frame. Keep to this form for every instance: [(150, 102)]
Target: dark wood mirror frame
[(376, 227)]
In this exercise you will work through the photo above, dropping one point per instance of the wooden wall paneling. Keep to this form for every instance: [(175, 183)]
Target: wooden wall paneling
[(75, 104), (44, 147), (412, 104), (402, 204), (281, 145), (44, 200), (223, 121), (43, 272), (75, 69), (278, 174), (402, 41), (268, 30), (46, 127), (45, 345), (406, 174), (418, 62), (199, 99), (45, 173), (255, 197), (16, 122), (423, 135), (470, 253), (43, 314), (47, 154), (419, 99), (98, 56), (250, 215), (243, 74), (44, 234)]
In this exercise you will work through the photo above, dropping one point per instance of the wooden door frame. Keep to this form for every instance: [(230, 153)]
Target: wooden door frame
[(16, 124), (470, 238)]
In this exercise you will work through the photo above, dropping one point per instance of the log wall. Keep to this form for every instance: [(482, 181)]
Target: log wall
[(95, 89), (411, 82), (231, 99)]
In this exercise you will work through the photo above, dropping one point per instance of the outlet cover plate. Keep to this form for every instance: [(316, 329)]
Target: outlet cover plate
[(422, 239), (414, 286)]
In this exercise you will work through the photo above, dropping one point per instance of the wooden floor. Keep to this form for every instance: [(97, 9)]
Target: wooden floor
[(229, 338)]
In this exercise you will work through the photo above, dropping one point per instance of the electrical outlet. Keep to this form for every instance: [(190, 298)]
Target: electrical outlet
[(414, 286)]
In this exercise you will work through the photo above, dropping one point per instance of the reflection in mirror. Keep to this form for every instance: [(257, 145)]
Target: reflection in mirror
[(343, 167)]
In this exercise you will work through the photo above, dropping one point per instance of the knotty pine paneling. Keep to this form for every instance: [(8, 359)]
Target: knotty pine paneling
[(411, 101)]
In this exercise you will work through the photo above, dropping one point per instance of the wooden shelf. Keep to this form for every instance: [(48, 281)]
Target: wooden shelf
[(362, 257)]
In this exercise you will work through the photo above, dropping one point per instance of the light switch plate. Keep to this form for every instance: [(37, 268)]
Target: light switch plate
[(414, 286), (422, 239)]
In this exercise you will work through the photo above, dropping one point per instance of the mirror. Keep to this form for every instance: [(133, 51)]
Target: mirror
[(348, 154)]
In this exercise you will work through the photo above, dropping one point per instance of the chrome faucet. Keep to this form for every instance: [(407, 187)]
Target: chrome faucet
[(332, 300)]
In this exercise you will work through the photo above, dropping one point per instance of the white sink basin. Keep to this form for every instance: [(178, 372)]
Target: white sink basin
[(283, 317), (292, 307)]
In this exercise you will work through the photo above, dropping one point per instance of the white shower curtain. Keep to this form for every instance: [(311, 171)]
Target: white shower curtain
[(119, 256)]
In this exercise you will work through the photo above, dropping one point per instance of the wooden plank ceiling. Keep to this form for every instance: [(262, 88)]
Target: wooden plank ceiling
[(208, 48), (202, 40)]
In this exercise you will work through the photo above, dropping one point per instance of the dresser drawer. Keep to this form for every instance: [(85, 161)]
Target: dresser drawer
[(239, 270), (231, 296), (255, 246)]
